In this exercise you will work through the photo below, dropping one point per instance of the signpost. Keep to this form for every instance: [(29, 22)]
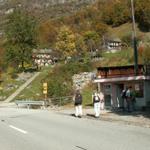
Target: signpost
[(134, 40), (45, 90)]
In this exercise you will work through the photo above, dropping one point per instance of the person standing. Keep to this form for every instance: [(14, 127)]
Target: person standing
[(128, 99), (133, 100), (78, 104), (124, 98), (96, 102), (101, 96)]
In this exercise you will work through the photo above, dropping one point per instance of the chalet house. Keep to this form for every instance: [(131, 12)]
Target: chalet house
[(112, 80), (42, 57), (114, 45)]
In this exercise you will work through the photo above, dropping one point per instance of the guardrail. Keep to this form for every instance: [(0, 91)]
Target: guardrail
[(60, 101), (57, 101), (29, 103)]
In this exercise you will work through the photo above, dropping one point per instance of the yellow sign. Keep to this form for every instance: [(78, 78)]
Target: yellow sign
[(45, 85), (44, 91), (45, 88)]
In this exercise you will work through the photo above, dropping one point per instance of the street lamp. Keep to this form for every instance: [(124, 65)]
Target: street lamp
[(134, 40)]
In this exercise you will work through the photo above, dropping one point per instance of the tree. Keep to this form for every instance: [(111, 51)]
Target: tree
[(1, 58), (116, 12), (80, 44), (101, 29), (146, 54), (92, 40), (21, 37), (47, 33), (142, 14), (65, 42)]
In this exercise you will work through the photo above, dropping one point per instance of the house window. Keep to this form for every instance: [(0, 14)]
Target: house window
[(139, 89), (107, 88)]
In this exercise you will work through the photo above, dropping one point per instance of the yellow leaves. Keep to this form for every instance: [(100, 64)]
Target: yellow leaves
[(47, 32), (65, 43)]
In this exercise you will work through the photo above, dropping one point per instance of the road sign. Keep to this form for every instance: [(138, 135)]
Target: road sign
[(44, 91), (45, 88)]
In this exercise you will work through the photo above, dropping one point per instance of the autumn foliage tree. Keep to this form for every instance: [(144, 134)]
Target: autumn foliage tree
[(1, 57), (116, 12), (142, 11), (47, 33), (65, 43), (91, 39), (146, 54)]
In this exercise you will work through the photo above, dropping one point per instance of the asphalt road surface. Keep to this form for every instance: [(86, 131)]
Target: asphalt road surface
[(22, 129)]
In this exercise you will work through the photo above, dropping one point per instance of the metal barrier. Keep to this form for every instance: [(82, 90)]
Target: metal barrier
[(29, 103), (61, 101), (57, 101)]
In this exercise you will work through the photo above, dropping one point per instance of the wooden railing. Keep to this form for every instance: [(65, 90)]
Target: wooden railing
[(107, 72)]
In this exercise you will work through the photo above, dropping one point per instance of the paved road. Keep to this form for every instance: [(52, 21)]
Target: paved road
[(22, 129)]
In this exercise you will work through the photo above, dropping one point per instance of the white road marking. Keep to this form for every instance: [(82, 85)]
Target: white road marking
[(20, 130)]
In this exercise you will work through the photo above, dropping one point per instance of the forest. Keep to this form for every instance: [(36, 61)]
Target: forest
[(73, 34)]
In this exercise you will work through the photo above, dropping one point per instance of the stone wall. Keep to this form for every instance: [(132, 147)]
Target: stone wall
[(82, 79)]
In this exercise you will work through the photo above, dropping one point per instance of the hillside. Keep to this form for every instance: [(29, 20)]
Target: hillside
[(41, 9), (125, 29)]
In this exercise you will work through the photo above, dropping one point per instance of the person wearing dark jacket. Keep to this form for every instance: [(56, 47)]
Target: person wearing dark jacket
[(78, 104), (124, 98)]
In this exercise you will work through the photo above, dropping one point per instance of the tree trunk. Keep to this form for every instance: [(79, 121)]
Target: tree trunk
[(22, 65)]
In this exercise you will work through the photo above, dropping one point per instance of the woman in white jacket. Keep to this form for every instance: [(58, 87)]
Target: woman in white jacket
[(96, 102)]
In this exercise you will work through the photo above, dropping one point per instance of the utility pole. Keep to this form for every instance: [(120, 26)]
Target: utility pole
[(134, 40)]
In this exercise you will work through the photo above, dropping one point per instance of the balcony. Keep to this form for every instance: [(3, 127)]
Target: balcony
[(122, 71)]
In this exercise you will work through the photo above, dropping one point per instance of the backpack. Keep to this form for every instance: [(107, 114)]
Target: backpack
[(96, 99), (78, 99), (123, 95)]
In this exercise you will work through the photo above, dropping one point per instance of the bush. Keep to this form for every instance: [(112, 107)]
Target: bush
[(127, 39), (12, 72), (60, 81), (146, 55), (115, 13), (58, 87)]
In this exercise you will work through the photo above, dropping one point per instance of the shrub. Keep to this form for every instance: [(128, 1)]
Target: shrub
[(60, 80)]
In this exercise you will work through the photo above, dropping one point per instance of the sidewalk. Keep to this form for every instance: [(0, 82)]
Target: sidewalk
[(135, 118)]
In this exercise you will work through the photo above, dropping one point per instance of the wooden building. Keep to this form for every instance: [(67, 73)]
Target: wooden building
[(42, 57), (112, 80), (114, 44)]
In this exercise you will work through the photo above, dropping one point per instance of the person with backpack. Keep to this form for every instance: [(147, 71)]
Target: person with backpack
[(78, 104), (129, 98), (133, 100), (96, 102), (124, 97)]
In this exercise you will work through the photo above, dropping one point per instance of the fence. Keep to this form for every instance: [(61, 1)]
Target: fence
[(57, 101), (60, 101)]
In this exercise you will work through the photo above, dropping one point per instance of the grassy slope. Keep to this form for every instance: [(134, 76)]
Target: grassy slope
[(125, 57), (34, 90), (8, 81), (126, 29)]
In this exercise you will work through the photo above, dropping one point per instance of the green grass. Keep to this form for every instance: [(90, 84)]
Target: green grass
[(120, 58), (87, 94), (5, 90), (34, 91), (124, 29)]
